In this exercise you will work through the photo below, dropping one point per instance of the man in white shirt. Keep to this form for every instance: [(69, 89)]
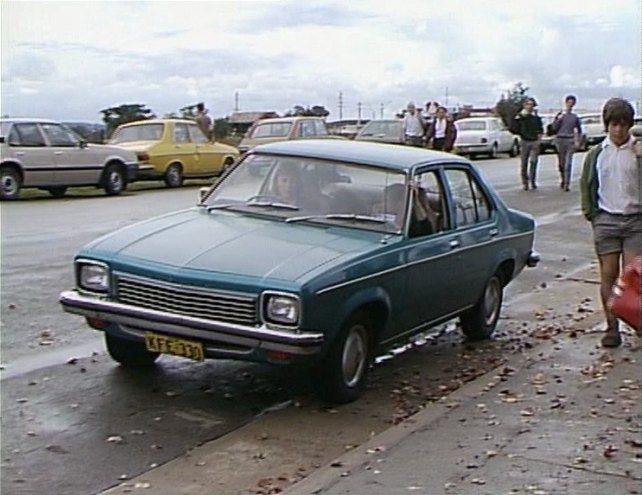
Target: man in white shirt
[(413, 126), (610, 191)]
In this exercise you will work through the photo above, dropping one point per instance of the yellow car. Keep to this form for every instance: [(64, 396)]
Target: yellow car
[(173, 150)]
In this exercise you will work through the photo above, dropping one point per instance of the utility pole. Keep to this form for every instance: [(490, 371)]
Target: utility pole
[(236, 101), (359, 113), (446, 105), (381, 111), (340, 105)]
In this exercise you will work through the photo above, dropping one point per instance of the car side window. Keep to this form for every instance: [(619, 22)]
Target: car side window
[(307, 128), (429, 211), (320, 128), (59, 136), (181, 135), (197, 135), (471, 203), (26, 135)]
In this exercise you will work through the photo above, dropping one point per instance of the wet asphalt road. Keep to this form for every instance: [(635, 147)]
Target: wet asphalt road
[(65, 405)]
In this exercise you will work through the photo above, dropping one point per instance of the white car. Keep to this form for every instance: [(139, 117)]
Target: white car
[(47, 155), (593, 131), (484, 136)]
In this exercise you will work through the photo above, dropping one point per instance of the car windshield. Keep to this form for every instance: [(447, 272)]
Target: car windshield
[(272, 129), (471, 125), (382, 128), (142, 132), (4, 128), (310, 190)]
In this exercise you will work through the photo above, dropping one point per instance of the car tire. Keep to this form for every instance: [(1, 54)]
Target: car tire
[(10, 183), (114, 180), (57, 192), (342, 373), (479, 322), (493, 151), (129, 353), (514, 149), (227, 165), (174, 175)]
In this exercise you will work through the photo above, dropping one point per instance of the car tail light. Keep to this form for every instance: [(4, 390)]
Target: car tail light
[(142, 157)]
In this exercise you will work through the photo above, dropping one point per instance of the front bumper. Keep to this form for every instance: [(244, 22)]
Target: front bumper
[(465, 149), (219, 338)]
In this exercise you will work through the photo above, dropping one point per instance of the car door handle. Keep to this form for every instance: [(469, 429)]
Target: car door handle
[(493, 232), (454, 243)]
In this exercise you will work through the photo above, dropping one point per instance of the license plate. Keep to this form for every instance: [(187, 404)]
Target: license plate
[(175, 347)]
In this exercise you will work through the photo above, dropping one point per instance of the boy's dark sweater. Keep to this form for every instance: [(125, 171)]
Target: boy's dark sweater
[(528, 127)]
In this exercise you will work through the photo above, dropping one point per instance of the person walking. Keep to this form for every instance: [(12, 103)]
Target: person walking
[(442, 131), (528, 125), (568, 131), (610, 200), (203, 120), (414, 127)]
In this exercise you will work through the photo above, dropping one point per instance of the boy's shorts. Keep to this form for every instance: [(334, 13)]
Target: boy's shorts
[(617, 233)]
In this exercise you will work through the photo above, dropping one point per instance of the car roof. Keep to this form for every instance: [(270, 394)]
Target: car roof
[(287, 119), (18, 120), (399, 157), (158, 121), (384, 121)]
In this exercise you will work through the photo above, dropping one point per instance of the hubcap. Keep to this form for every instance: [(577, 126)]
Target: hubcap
[(492, 301), (115, 181), (354, 357), (8, 184)]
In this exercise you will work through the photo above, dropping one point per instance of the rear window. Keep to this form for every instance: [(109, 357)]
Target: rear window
[(144, 132), (382, 128), (471, 125), (272, 129)]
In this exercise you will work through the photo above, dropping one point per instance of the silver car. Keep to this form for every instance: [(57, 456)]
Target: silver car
[(484, 136), (45, 154)]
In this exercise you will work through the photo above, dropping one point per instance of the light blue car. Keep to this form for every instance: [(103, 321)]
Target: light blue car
[(321, 251)]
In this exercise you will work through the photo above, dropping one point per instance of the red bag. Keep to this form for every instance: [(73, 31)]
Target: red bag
[(624, 302)]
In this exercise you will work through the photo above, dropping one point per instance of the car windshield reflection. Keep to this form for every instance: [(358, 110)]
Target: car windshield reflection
[(319, 191)]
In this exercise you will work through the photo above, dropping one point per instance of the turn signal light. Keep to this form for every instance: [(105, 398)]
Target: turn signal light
[(278, 356)]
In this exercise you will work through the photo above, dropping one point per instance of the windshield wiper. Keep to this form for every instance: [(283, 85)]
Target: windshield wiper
[(273, 204), (338, 216), (220, 207)]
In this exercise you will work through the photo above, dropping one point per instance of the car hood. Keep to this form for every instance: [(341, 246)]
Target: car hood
[(229, 243)]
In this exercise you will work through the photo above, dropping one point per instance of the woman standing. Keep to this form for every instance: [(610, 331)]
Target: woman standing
[(610, 194)]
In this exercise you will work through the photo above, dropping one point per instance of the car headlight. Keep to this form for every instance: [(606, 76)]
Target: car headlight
[(93, 276), (282, 309)]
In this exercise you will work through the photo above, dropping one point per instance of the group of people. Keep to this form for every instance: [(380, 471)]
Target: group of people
[(566, 128), (433, 129)]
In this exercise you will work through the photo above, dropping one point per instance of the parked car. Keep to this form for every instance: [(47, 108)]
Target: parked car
[(364, 245), (173, 150), (593, 131), (636, 130), (382, 131), (484, 136), (44, 154), (265, 131), (547, 142)]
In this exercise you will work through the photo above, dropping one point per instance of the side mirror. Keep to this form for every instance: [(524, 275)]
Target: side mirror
[(82, 143), (2, 140)]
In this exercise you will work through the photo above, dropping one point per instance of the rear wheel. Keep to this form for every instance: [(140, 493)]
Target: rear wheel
[(514, 149), (480, 321), (114, 180), (57, 192), (10, 183), (174, 175), (343, 372), (493, 151), (129, 353)]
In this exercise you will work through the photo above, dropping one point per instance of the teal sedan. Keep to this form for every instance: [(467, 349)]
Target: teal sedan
[(321, 252)]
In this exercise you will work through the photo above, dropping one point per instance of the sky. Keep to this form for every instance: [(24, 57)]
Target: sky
[(359, 59)]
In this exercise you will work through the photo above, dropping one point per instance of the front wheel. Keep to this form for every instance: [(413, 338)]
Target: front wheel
[(129, 353), (10, 183), (344, 370), (514, 149), (114, 180), (174, 175), (479, 322)]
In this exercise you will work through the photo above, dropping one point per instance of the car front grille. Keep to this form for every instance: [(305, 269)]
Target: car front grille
[(188, 301)]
